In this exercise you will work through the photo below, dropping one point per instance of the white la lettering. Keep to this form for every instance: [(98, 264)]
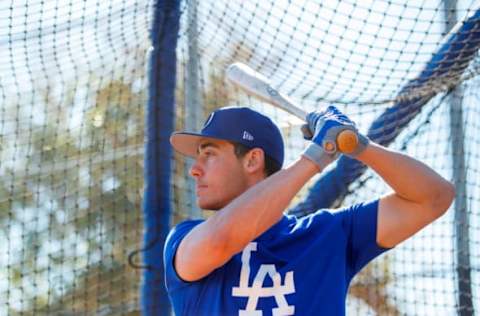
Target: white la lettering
[(257, 290)]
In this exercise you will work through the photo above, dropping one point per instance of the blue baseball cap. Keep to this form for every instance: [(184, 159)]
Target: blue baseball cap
[(236, 124)]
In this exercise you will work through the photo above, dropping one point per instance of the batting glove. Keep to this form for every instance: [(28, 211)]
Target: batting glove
[(325, 127)]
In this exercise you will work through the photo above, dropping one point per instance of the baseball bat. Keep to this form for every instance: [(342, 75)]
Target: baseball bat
[(258, 85)]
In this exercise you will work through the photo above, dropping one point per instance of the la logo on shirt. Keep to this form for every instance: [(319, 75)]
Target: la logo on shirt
[(256, 291)]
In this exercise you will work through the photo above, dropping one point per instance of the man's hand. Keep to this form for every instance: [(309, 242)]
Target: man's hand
[(326, 126)]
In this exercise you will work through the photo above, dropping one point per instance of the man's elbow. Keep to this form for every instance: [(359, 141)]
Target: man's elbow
[(443, 198)]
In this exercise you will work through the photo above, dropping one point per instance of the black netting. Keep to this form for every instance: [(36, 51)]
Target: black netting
[(73, 92), (73, 89)]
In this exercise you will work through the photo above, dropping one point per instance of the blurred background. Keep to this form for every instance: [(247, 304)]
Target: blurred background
[(75, 81)]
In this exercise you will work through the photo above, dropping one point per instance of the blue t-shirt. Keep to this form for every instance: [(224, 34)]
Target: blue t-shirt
[(300, 266)]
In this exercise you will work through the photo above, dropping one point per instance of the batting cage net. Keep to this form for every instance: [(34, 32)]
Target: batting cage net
[(75, 79), (72, 94)]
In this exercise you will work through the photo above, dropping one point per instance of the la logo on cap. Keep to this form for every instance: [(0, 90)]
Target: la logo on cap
[(247, 136)]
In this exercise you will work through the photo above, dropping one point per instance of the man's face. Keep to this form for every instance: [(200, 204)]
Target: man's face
[(219, 175)]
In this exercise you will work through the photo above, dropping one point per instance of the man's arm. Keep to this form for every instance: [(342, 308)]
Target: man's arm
[(227, 232), (420, 195)]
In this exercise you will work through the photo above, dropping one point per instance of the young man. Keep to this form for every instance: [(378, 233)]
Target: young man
[(249, 258)]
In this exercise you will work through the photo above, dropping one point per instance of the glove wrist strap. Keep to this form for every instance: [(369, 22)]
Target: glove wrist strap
[(316, 154), (363, 142)]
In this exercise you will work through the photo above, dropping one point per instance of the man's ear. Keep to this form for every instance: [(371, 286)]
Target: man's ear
[(254, 160)]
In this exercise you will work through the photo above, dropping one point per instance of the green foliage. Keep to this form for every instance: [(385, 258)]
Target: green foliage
[(77, 203)]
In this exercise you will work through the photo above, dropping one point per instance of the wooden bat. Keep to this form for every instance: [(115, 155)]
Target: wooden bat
[(259, 86)]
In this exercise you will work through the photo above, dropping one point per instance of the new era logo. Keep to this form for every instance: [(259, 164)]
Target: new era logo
[(247, 136)]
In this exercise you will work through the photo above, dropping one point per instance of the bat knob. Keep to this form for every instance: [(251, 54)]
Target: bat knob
[(330, 147), (347, 141)]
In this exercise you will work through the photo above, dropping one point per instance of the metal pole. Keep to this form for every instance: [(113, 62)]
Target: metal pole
[(159, 123), (193, 101), (462, 241)]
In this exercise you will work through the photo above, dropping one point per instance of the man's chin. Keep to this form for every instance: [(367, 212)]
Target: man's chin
[(209, 206)]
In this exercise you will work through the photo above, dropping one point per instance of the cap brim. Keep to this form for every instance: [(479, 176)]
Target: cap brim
[(186, 143)]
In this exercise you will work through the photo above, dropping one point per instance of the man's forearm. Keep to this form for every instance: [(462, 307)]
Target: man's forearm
[(409, 178), (261, 206)]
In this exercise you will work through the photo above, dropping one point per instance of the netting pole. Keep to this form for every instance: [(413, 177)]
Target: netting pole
[(193, 104), (462, 240), (158, 153)]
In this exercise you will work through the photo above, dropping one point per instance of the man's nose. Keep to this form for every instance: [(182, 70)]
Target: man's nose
[(195, 169)]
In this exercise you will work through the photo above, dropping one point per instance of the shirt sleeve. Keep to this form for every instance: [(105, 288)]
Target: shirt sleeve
[(176, 235), (360, 222)]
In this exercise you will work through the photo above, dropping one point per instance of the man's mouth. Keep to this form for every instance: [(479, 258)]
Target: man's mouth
[(200, 188)]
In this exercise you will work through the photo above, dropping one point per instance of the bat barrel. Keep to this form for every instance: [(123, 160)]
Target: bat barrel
[(256, 84)]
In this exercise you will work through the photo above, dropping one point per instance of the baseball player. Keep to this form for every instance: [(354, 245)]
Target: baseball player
[(249, 258)]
